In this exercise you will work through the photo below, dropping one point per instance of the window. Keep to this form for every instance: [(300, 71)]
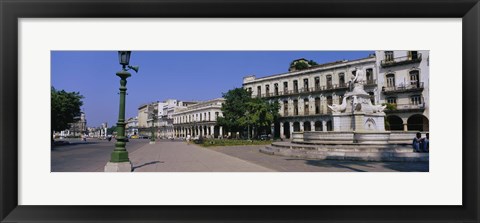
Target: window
[(414, 78), (295, 86), (317, 105), (329, 100), (388, 56), (295, 107), (285, 108), (305, 108), (216, 115), (416, 100), (390, 80), (317, 83), (276, 89), (285, 87), (259, 91), (329, 81), (341, 80), (392, 100), (369, 75), (267, 90), (208, 116), (412, 55), (305, 84)]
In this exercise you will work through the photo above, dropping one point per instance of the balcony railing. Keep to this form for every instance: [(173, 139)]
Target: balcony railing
[(371, 82), (331, 87), (406, 107), (401, 60), (403, 88)]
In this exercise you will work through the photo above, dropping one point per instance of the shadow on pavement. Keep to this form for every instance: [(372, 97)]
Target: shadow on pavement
[(146, 164), (396, 166)]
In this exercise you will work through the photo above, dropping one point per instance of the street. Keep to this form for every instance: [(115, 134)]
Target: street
[(178, 156), (90, 156)]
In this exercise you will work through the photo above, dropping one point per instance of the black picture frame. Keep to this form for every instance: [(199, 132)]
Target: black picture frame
[(11, 11)]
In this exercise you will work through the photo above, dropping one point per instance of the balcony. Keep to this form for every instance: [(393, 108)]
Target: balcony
[(401, 60), (403, 88), (329, 87), (397, 108), (370, 83)]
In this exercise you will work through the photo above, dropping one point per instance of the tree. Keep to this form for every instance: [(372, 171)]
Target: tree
[(111, 130), (241, 111), (302, 64), (64, 107)]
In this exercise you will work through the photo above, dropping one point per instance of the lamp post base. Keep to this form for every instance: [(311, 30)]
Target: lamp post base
[(118, 167)]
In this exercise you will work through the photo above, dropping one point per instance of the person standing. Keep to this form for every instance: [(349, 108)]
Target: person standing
[(426, 142), (417, 142)]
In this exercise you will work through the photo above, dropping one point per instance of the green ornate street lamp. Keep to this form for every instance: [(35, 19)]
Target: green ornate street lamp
[(119, 161)]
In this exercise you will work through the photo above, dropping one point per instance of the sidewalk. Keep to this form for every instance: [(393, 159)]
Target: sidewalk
[(176, 156)]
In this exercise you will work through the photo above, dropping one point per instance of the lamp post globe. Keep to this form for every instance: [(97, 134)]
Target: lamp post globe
[(124, 57), (119, 161)]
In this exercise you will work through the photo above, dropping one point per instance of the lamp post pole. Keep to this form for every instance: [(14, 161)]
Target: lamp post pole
[(119, 161), (120, 153)]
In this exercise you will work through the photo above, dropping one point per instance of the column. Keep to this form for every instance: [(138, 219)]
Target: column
[(221, 131), (282, 134), (212, 131), (312, 126), (324, 126), (301, 127), (405, 127), (291, 128)]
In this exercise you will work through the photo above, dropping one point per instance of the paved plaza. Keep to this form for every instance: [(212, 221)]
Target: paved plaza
[(179, 156)]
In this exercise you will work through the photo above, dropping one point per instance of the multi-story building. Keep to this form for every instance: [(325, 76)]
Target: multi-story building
[(404, 84), (199, 119), (131, 128), (158, 115), (304, 94), (77, 128)]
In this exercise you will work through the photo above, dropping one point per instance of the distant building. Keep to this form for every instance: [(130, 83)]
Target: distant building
[(131, 128), (199, 119), (77, 128), (158, 115)]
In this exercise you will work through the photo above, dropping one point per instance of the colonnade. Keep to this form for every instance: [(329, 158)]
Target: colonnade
[(207, 131)]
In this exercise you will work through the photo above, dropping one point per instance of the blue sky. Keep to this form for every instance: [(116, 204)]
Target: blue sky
[(183, 75)]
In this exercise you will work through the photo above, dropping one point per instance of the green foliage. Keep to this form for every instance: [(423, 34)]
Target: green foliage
[(111, 130), (390, 106), (302, 65), (312, 63), (64, 107), (233, 142), (241, 111)]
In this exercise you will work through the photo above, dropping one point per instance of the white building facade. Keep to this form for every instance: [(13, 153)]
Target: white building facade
[(199, 119), (303, 95), (404, 83)]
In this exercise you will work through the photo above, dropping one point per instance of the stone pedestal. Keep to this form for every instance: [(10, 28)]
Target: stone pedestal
[(118, 167)]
